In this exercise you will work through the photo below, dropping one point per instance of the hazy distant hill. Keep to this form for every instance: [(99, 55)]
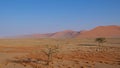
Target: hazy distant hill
[(65, 34), (100, 31)]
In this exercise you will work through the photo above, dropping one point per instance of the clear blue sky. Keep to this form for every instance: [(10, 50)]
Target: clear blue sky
[(19, 17)]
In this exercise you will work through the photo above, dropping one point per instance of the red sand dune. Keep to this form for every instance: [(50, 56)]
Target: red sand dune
[(65, 34), (100, 31)]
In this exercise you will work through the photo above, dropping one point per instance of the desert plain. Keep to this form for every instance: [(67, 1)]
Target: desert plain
[(70, 53)]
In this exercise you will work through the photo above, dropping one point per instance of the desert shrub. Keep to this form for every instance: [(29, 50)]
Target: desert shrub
[(49, 51), (100, 41)]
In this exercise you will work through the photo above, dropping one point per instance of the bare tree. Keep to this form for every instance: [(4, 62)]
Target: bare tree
[(49, 51)]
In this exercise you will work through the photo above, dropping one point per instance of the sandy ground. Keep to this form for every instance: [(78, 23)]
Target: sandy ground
[(70, 56)]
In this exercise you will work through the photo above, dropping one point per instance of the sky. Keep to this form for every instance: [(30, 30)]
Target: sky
[(20, 17)]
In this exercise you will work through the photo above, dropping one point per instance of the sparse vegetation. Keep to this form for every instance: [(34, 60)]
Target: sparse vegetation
[(49, 51), (100, 41), (70, 54)]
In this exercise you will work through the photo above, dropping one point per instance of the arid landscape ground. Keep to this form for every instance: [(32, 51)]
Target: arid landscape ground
[(70, 53), (59, 33)]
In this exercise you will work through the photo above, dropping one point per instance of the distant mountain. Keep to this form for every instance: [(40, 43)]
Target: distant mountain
[(61, 34), (100, 31), (48, 35), (65, 34)]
